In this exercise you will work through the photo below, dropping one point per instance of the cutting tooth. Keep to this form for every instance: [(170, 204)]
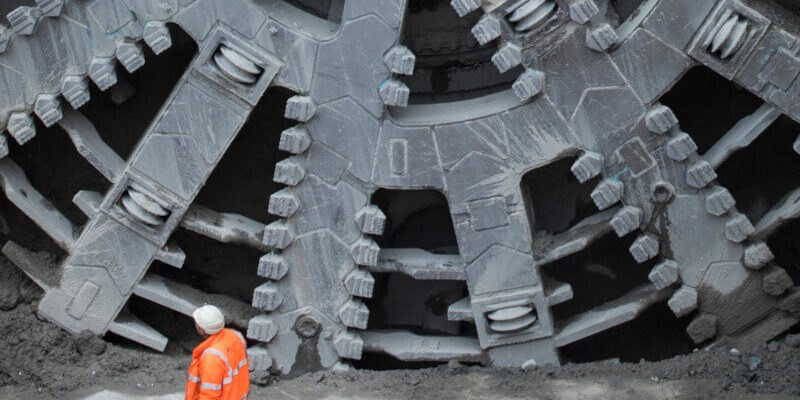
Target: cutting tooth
[(157, 36), (776, 281), (354, 314), (394, 93), (627, 220), (348, 345), (283, 203), (513, 325), (601, 38), (5, 38), (587, 166), (371, 220), (130, 55), (3, 145), (400, 60), (289, 172), (738, 228), (719, 201), (273, 266), (582, 11), (360, 283), (278, 235), (607, 193), (50, 8), (365, 252), (48, 109), (295, 140), (507, 57), (757, 255), (300, 108), (681, 147), (735, 40), (660, 119), (683, 301), (259, 359), (21, 127), (464, 7), (102, 73), (529, 84), (262, 328), (267, 297), (723, 33), (644, 248), (702, 328), (664, 274), (487, 29), (23, 19), (75, 90), (700, 174)]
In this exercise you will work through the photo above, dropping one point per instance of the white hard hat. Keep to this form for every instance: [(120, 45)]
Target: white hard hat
[(209, 319)]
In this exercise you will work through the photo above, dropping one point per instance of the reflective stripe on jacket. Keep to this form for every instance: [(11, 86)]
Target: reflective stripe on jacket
[(219, 369)]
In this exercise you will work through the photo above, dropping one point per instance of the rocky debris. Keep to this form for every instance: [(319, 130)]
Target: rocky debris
[(9, 286), (753, 363), (773, 346), (41, 358), (793, 340), (44, 359), (262, 378), (88, 344)]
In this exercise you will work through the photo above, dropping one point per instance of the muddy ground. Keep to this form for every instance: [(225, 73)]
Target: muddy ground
[(40, 361)]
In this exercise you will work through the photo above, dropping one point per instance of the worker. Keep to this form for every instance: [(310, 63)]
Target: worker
[(219, 369)]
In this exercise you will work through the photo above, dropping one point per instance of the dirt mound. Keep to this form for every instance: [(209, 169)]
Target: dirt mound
[(40, 356)]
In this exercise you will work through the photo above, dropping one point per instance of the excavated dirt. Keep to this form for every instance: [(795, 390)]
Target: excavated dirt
[(40, 361)]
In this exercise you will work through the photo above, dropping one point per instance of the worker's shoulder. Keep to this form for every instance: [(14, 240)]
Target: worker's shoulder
[(227, 339), (236, 334)]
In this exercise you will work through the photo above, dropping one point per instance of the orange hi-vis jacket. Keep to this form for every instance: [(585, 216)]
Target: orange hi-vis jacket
[(219, 369)]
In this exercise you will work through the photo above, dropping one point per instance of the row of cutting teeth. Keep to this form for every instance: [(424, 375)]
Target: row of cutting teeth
[(285, 203), (74, 88), (23, 22), (660, 120), (359, 282), (400, 60), (719, 203), (23, 19), (609, 192), (278, 235), (525, 16)]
